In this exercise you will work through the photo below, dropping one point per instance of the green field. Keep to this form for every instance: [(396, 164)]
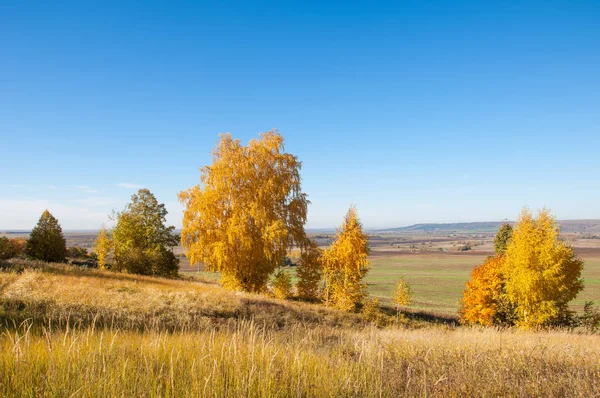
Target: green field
[(439, 279)]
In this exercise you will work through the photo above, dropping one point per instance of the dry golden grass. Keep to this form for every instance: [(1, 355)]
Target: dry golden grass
[(194, 339), (249, 360), (62, 294)]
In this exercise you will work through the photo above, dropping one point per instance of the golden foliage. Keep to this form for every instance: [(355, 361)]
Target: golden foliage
[(310, 271), (542, 272), (345, 265), (483, 293), (247, 211), (102, 248), (282, 285), (370, 310), (12, 247), (402, 294)]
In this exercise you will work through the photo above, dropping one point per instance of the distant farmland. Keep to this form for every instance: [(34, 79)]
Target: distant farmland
[(566, 226)]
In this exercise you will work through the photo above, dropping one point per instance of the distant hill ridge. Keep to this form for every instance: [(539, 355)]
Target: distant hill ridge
[(566, 226)]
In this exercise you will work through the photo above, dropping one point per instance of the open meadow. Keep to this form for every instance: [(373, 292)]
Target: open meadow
[(69, 331)]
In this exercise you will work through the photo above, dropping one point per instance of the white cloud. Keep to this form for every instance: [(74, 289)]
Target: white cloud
[(129, 185), (86, 188), (33, 188)]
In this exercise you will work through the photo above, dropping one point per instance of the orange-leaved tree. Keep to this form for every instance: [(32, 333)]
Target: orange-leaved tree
[(483, 297), (12, 247), (247, 212), (345, 264), (542, 272)]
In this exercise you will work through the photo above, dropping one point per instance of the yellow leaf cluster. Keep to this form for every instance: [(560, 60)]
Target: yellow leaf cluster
[(282, 285), (402, 294), (345, 265), (102, 248), (247, 211), (542, 272)]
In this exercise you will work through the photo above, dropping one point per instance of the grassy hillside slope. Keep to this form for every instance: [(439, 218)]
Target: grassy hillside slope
[(73, 332)]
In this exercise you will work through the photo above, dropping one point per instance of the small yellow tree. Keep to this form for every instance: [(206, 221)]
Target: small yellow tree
[(309, 272), (282, 284), (102, 248), (345, 264), (542, 272), (402, 295), (247, 212)]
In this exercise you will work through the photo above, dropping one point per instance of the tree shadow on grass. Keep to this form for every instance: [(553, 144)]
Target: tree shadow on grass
[(423, 316)]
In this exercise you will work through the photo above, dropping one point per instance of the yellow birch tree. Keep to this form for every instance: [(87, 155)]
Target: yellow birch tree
[(247, 211), (542, 272), (402, 296), (102, 248), (345, 265)]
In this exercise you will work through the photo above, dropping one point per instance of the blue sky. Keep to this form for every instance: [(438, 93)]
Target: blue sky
[(415, 111)]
